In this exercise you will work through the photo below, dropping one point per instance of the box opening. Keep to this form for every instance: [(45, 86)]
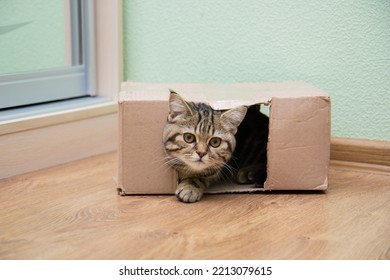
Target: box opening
[(247, 171)]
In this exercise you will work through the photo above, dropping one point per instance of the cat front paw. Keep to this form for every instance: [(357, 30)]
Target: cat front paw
[(188, 193)]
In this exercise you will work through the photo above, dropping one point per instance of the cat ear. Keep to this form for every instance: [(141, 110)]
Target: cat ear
[(177, 106), (232, 118)]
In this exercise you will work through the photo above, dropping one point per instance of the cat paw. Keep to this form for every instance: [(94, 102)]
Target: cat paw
[(242, 177), (189, 193), (256, 174)]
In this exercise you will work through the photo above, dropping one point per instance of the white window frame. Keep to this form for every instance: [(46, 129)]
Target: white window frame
[(44, 140)]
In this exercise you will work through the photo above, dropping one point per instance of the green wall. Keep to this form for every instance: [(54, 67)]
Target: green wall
[(340, 46)]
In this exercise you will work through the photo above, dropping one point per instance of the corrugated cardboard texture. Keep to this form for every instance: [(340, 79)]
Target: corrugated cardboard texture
[(299, 136)]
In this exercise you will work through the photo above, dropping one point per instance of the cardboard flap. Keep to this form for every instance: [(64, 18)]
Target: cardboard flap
[(219, 96), (142, 165), (299, 143)]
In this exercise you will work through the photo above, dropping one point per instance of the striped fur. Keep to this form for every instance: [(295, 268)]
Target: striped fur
[(199, 143)]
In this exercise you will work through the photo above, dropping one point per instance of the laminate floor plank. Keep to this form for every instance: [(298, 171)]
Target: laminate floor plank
[(73, 211)]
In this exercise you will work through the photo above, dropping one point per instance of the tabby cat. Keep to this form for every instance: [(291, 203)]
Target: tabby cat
[(205, 145)]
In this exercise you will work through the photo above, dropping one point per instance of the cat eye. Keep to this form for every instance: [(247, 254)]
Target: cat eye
[(215, 142), (189, 137)]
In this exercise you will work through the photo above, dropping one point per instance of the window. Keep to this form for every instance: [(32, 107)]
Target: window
[(59, 132), (46, 51)]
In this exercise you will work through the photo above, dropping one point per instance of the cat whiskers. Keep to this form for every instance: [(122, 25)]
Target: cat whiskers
[(167, 163), (227, 173)]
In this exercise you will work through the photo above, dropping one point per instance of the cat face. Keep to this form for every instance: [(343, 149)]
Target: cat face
[(197, 139)]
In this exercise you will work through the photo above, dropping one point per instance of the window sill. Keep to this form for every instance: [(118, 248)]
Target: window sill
[(39, 116)]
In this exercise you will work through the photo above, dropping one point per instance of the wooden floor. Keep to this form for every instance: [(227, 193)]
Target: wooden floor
[(73, 212)]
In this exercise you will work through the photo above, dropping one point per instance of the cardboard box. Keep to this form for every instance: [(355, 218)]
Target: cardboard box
[(298, 141)]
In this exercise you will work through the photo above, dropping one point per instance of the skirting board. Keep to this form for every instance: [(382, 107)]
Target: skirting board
[(360, 151), (44, 147)]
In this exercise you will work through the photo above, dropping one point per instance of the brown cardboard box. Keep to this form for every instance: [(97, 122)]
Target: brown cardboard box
[(298, 141)]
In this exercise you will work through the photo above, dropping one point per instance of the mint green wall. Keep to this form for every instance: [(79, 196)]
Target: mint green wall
[(340, 46), (32, 35)]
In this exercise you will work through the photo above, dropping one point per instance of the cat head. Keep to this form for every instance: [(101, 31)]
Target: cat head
[(198, 139)]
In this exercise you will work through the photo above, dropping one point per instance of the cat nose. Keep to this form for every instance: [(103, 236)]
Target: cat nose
[(201, 154)]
